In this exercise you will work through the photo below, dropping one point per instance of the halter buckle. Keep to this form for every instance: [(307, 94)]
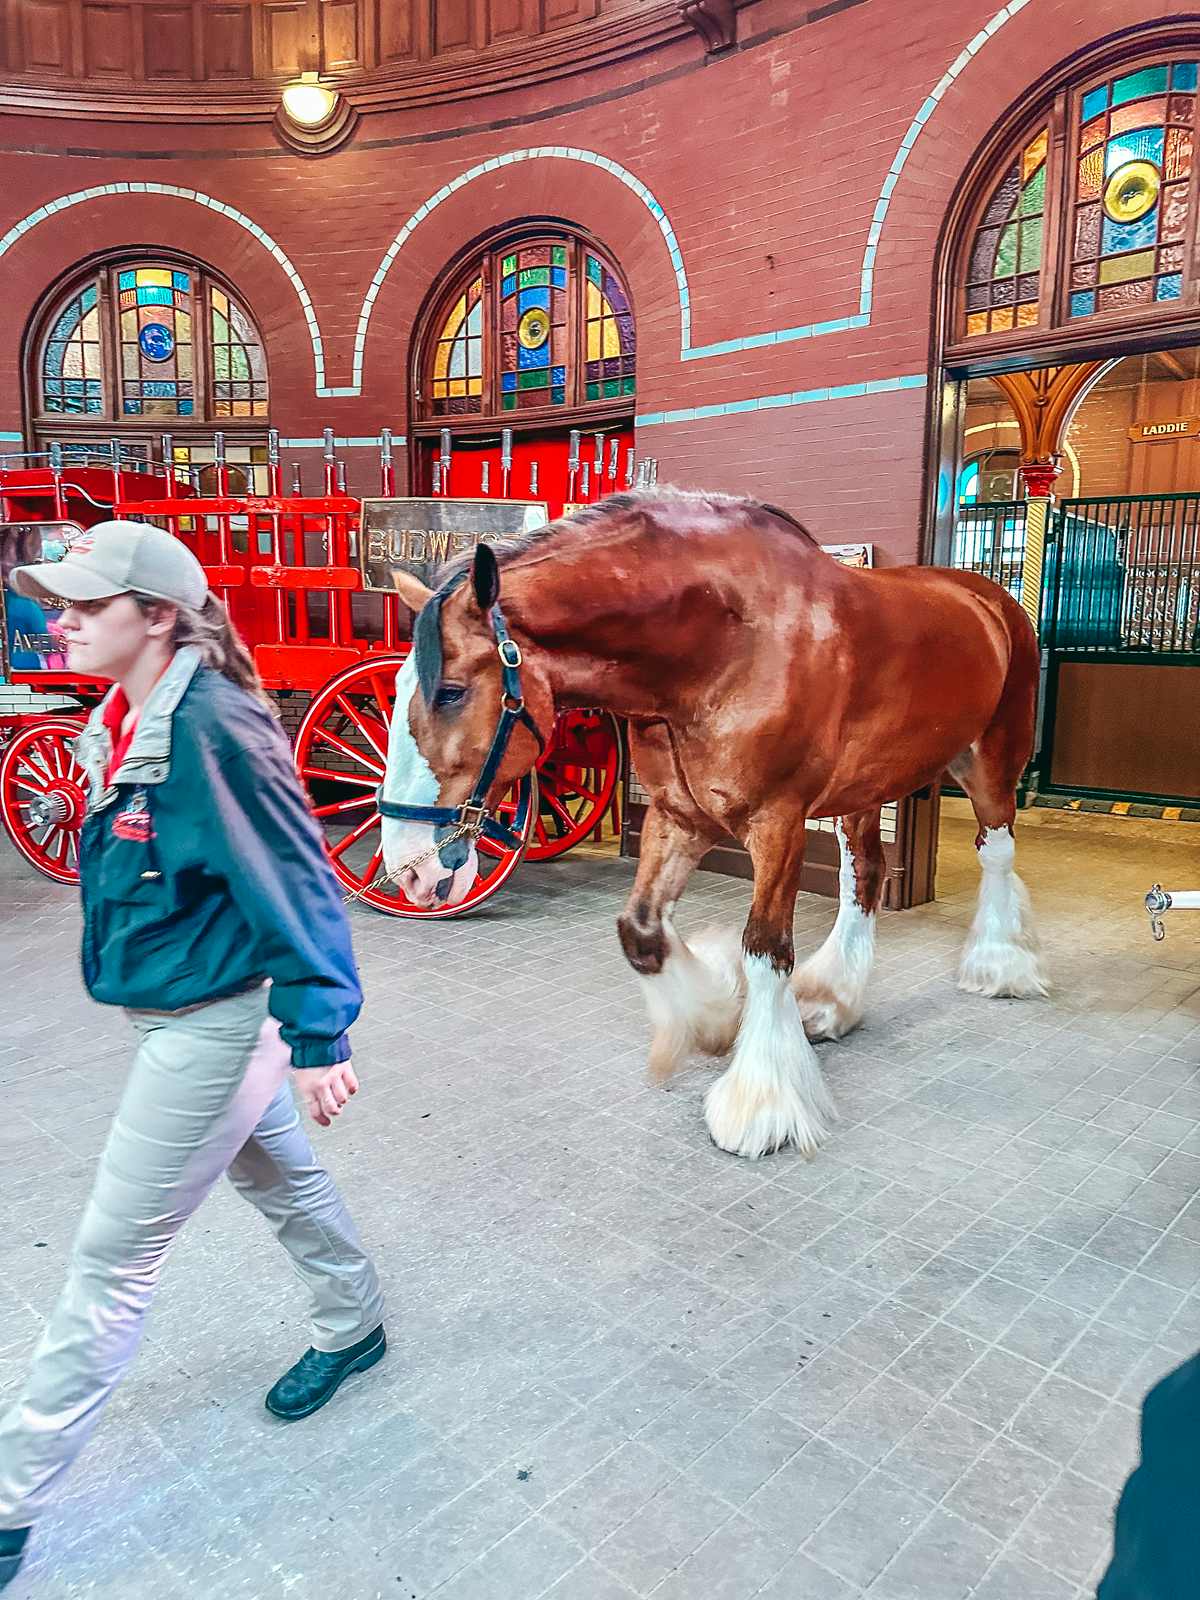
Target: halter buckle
[(510, 653), (472, 818)]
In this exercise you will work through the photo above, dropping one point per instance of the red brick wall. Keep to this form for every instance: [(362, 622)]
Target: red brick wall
[(768, 163)]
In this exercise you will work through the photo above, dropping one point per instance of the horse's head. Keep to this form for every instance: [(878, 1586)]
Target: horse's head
[(450, 698)]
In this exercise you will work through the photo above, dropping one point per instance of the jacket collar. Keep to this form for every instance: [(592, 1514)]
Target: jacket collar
[(148, 759)]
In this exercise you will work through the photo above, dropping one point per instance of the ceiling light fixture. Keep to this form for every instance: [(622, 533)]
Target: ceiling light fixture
[(313, 118)]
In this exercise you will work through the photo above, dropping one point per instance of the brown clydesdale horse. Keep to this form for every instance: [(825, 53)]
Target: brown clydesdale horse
[(764, 684)]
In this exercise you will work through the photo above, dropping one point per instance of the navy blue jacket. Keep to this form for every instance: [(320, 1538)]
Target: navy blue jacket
[(203, 871)]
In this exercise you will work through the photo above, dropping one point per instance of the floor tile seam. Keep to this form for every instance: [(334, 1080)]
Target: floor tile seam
[(1027, 1519), (534, 1516), (454, 1500), (1004, 1432), (596, 1552)]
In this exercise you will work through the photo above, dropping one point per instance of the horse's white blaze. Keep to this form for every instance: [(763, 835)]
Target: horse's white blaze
[(410, 780), (831, 986), (1002, 955), (772, 1093), (695, 1002)]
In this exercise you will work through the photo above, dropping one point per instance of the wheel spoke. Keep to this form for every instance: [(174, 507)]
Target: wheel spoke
[(348, 750), (25, 783), (328, 775), (583, 792), (557, 806), (385, 696), (361, 724), (29, 758), (354, 835), (340, 806)]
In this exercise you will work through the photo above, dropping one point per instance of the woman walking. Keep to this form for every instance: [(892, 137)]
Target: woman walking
[(211, 915)]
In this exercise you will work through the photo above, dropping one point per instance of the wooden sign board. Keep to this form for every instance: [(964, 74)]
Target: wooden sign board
[(419, 535), (1163, 432)]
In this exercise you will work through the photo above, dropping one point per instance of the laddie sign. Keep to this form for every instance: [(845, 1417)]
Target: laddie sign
[(1161, 432), (418, 535)]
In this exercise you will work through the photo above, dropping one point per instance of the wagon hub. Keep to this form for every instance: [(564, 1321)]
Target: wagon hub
[(62, 804)]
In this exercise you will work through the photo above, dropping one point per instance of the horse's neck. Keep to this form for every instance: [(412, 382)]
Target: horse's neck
[(616, 626)]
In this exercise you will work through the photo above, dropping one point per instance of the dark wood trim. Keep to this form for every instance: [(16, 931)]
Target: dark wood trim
[(426, 78)]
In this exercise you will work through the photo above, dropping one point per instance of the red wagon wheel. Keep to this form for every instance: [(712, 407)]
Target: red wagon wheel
[(43, 796), (577, 779), (341, 754)]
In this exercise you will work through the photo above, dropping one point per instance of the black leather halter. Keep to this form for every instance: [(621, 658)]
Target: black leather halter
[(473, 819)]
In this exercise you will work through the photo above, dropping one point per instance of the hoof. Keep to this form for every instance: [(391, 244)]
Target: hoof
[(1003, 972), (827, 1018), (758, 1125)]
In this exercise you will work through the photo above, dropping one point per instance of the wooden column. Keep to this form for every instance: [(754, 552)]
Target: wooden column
[(1043, 403)]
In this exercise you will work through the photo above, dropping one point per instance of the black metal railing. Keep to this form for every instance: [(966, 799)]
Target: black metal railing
[(1122, 574), (990, 539)]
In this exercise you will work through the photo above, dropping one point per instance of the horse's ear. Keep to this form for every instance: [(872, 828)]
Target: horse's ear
[(485, 578), (410, 589)]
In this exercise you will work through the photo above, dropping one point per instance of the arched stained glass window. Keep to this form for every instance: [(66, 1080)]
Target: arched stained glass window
[(71, 370), (458, 358), (1004, 267), (534, 325), (1132, 181), (160, 343), (1091, 215)]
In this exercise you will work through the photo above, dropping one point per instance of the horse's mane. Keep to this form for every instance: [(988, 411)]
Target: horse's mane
[(605, 512)]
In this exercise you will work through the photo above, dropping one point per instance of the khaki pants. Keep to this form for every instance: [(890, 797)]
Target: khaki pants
[(208, 1093)]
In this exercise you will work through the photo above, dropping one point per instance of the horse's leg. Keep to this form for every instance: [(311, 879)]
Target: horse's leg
[(1002, 955), (692, 995), (772, 1093), (831, 986)]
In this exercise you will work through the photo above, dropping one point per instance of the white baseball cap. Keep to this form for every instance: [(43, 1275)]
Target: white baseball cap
[(116, 558)]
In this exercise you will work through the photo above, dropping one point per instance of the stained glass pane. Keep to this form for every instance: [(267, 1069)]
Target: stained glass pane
[(611, 345), (1003, 272), (154, 306), (1131, 194), (239, 368), (534, 301), (457, 379), (1136, 85), (71, 374)]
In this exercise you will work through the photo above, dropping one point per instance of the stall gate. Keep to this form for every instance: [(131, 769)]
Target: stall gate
[(1121, 639)]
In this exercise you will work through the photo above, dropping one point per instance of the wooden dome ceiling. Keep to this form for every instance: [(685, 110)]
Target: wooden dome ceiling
[(226, 59)]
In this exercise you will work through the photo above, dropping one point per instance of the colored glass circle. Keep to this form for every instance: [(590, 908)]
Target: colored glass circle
[(534, 328), (156, 342), (1132, 190)]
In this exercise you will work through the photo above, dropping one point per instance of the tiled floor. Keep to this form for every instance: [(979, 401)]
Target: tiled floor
[(622, 1363)]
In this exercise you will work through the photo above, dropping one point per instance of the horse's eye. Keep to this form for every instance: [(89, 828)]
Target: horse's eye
[(450, 694)]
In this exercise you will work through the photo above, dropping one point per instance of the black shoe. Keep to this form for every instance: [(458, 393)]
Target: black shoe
[(12, 1553), (315, 1378)]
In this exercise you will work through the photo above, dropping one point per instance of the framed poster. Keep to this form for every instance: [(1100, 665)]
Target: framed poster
[(851, 555), (31, 640)]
